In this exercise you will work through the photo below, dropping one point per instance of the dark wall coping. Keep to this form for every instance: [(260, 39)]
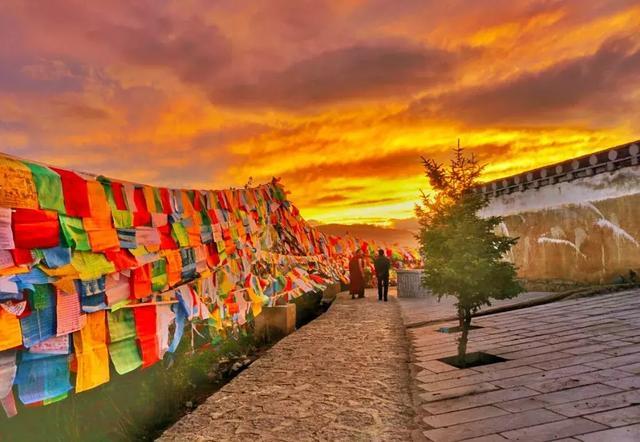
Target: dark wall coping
[(608, 160)]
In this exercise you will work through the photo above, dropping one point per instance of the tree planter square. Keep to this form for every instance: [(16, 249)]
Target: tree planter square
[(475, 359)]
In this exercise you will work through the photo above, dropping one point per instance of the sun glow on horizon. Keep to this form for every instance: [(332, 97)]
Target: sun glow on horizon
[(338, 98)]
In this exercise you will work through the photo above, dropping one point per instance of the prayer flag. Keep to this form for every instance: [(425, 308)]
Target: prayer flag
[(74, 189), (141, 282), (91, 353), (34, 228), (122, 337), (11, 335), (146, 329), (49, 188), (17, 189)]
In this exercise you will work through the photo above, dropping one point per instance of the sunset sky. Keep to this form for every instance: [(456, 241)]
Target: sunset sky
[(338, 97)]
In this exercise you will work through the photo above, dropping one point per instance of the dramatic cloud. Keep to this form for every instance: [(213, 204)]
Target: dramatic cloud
[(582, 87), (145, 33), (340, 98), (353, 73)]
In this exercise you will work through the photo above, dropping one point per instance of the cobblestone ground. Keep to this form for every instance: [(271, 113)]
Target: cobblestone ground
[(344, 376), (571, 374)]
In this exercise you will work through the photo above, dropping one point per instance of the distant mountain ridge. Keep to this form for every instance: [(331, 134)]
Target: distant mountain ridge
[(385, 235)]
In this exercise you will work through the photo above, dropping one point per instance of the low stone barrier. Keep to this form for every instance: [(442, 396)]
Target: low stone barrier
[(410, 284), (281, 320)]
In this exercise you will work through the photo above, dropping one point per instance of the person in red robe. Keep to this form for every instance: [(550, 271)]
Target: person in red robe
[(356, 274)]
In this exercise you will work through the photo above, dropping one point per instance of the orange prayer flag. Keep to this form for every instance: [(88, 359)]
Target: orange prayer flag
[(174, 266), (10, 331), (99, 226)]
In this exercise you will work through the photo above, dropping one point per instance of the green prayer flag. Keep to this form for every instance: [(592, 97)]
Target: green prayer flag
[(42, 294), (108, 192), (124, 355), (122, 219), (122, 337), (121, 325), (180, 234), (192, 196), (48, 187), (206, 219), (38, 254), (73, 233), (159, 278), (91, 265), (157, 199)]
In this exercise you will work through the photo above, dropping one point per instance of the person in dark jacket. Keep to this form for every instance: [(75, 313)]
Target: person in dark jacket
[(382, 265)]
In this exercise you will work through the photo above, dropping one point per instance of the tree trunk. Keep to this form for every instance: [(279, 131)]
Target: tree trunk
[(465, 320)]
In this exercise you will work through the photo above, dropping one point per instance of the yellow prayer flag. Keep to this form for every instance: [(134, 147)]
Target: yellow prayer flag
[(17, 188), (91, 265), (11, 333), (16, 270), (256, 302), (90, 345)]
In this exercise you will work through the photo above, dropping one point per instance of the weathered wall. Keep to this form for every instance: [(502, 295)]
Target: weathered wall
[(584, 230)]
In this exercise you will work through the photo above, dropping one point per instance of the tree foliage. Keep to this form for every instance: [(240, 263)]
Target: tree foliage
[(463, 254)]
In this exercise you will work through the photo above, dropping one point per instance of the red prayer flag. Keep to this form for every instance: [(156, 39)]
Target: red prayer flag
[(21, 256), (166, 239), (35, 229), (213, 259), (146, 330), (141, 217), (197, 201), (118, 195), (141, 282), (122, 259), (74, 189), (166, 200)]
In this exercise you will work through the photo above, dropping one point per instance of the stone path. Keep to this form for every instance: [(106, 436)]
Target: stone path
[(344, 376), (572, 374)]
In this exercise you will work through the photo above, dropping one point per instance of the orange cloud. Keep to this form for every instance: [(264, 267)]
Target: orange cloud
[(339, 98)]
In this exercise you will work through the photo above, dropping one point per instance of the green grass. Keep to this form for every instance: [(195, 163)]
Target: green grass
[(138, 405)]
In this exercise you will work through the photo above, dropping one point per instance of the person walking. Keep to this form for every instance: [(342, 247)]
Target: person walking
[(382, 266), (356, 275)]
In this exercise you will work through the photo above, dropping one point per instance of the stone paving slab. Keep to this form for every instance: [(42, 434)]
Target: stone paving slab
[(419, 310), (571, 374), (344, 376)]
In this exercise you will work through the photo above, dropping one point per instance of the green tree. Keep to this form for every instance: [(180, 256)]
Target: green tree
[(463, 254)]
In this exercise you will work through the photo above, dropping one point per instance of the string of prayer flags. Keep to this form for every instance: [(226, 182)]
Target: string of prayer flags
[(96, 272)]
